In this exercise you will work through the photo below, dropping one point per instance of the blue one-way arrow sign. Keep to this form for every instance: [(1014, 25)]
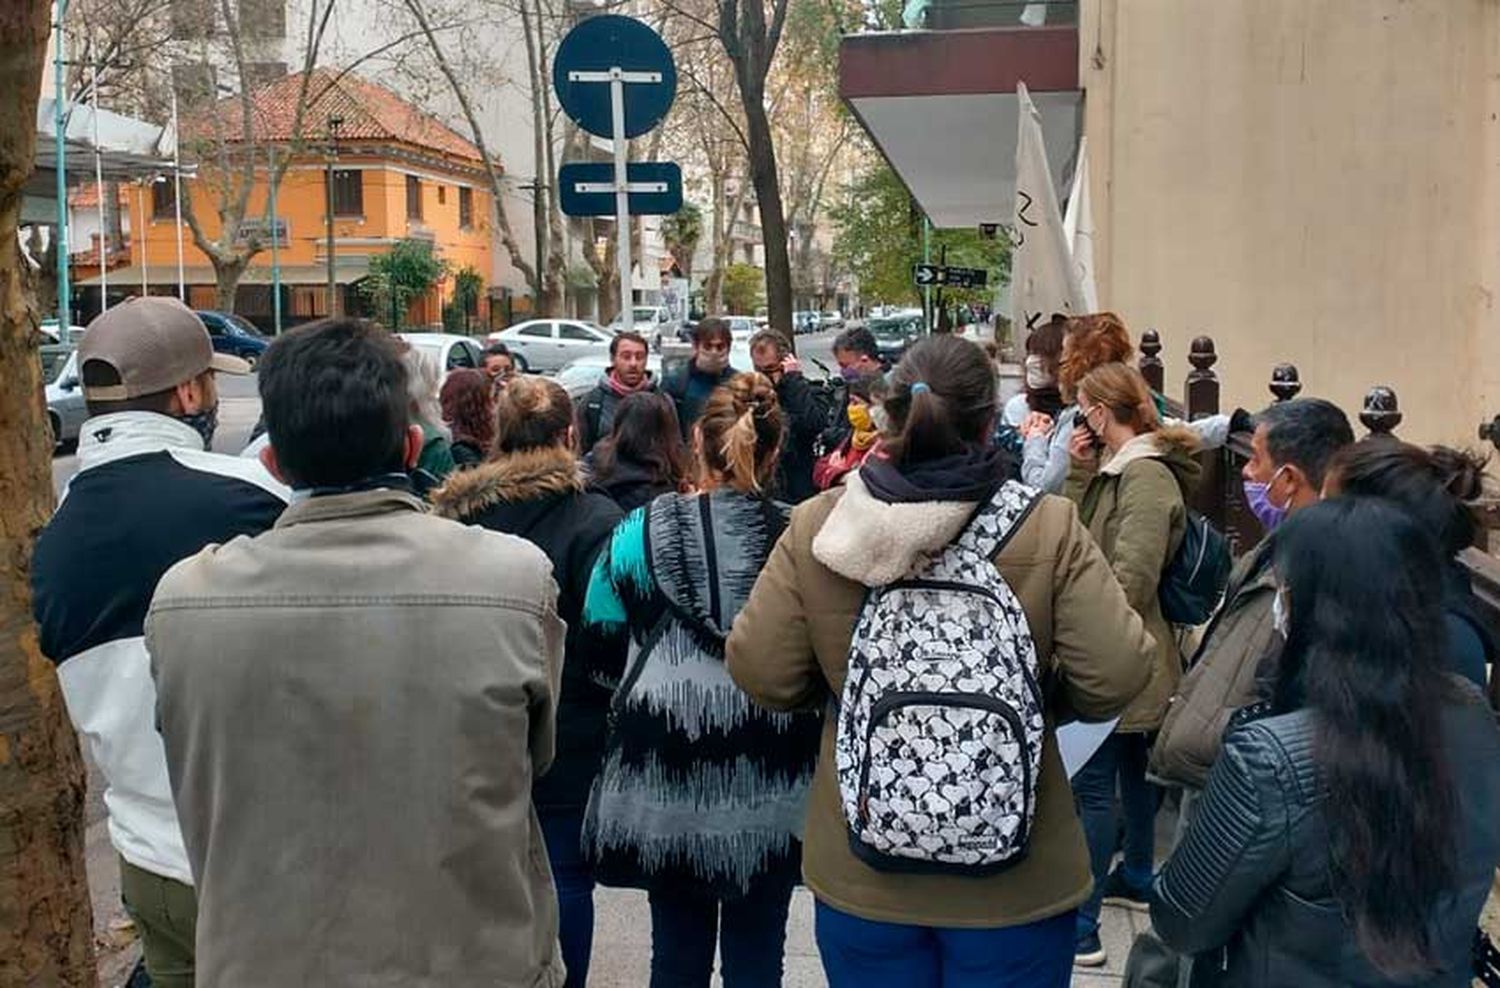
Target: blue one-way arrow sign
[(588, 188)]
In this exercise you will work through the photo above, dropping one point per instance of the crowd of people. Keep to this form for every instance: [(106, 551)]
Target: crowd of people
[(384, 700)]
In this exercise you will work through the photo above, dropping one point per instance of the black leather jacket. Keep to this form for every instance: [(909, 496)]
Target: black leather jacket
[(1249, 889)]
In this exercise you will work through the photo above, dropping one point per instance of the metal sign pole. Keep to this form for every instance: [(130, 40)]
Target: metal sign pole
[(622, 196)]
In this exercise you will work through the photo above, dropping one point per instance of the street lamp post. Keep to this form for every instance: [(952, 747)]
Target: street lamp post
[(334, 123), (177, 194), (275, 247)]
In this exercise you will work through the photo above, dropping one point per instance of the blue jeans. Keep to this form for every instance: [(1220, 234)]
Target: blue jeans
[(862, 953), (574, 879), (1122, 757), (686, 925)]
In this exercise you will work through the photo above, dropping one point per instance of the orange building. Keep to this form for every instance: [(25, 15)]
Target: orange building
[(396, 173)]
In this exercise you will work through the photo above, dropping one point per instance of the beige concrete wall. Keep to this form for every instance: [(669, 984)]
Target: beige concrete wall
[(1307, 180)]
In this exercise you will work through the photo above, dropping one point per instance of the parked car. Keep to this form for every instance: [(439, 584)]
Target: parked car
[(831, 320), (54, 334), (66, 410), (805, 322), (234, 335), (896, 332), (655, 322), (547, 344), (449, 352)]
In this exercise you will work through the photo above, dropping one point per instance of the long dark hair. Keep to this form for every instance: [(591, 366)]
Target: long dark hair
[(1365, 653), (942, 400), (646, 433), (1431, 485)]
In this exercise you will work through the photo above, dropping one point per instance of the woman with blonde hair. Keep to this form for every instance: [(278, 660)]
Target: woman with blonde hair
[(1134, 502), (1091, 341), (700, 797)]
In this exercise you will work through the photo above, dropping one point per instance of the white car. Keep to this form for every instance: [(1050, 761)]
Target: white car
[(547, 344), (447, 351)]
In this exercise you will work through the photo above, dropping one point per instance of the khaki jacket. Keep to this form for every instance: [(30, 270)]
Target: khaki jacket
[(354, 706), (1222, 676), (1135, 508), (789, 650)]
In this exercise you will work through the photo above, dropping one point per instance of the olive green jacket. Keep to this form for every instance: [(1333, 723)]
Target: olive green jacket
[(1135, 508), (789, 649)]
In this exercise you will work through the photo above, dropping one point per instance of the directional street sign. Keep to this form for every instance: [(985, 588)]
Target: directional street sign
[(588, 188), (935, 274), (638, 57), (616, 78)]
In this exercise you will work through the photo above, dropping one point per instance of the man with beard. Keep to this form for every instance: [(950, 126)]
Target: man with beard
[(627, 375)]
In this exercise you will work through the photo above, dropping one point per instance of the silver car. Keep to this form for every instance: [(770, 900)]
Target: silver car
[(580, 376), (66, 411), (541, 345)]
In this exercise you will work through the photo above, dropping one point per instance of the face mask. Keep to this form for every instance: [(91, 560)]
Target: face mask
[(1036, 373), (712, 362), (205, 423), (1258, 499), (1081, 421), (1279, 618), (850, 373), (880, 419), (859, 417)]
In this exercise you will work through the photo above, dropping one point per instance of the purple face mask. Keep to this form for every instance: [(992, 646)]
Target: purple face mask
[(1258, 500), (849, 373)]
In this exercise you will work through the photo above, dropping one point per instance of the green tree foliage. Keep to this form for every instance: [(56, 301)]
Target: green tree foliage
[(744, 288), (408, 272), (681, 232), (468, 285), (879, 237)]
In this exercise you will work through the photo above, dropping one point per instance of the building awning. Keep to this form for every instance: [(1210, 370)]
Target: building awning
[(941, 107), (128, 149), (346, 272)]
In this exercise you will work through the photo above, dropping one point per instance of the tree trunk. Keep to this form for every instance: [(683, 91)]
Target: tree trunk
[(227, 276), (46, 921), (772, 220)]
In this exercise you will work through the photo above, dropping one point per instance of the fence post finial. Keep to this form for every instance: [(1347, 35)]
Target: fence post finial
[(1285, 382), (1382, 411), (1202, 383)]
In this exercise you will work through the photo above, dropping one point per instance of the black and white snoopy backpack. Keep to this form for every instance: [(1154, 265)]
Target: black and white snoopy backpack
[(940, 726)]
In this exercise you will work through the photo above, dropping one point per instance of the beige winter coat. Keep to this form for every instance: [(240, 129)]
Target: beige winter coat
[(354, 706), (789, 649)]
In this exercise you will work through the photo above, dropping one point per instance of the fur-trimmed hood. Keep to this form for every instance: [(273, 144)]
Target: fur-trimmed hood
[(873, 542), (512, 478), (1173, 445)]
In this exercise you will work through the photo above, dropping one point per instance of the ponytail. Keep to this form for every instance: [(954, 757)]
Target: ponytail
[(740, 433), (942, 400)]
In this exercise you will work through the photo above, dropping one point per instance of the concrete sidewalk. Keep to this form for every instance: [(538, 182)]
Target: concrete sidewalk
[(622, 934)]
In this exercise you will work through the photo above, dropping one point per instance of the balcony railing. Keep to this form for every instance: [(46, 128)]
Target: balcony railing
[(951, 15)]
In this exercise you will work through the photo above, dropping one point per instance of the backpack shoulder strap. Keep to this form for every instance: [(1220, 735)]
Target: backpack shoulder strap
[(998, 518)]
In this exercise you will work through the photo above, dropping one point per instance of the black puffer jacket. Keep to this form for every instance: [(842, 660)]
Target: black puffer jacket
[(806, 416), (1249, 886), (540, 495)]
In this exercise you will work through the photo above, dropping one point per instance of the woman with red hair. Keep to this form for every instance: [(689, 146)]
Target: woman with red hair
[(1091, 341), (470, 416)]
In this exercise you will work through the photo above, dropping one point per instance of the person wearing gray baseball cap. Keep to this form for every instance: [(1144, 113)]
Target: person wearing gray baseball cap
[(154, 355), (147, 494)]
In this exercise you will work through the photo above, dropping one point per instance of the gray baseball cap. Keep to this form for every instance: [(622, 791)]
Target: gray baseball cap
[(152, 344)]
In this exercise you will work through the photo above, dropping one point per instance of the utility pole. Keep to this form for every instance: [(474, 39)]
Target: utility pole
[(275, 245), (538, 217), (334, 123)]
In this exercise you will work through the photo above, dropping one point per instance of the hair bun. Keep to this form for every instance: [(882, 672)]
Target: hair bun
[(1461, 471)]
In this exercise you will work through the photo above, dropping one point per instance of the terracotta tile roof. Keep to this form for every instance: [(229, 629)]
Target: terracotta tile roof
[(370, 112)]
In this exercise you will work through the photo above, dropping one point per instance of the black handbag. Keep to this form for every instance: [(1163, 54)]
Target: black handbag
[(1194, 580)]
